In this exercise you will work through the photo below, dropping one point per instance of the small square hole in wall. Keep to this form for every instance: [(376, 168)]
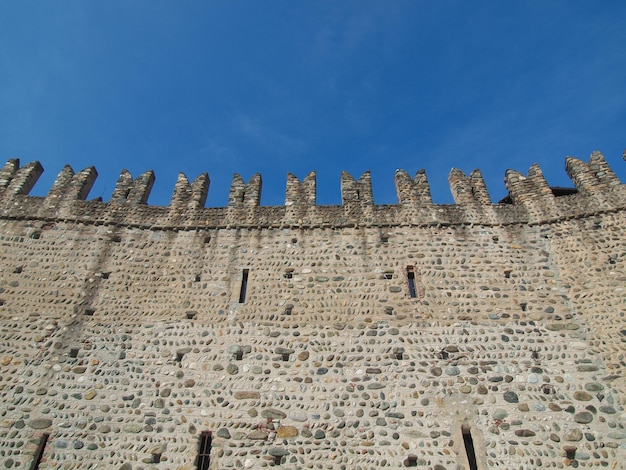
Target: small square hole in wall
[(388, 275), (2, 302), (197, 278), (156, 457), (191, 315), (523, 306), (105, 275), (90, 311), (116, 239), (36, 236), (204, 451), (288, 274), (17, 270), (288, 309), (207, 239), (507, 274), (74, 353), (41, 447), (238, 355)]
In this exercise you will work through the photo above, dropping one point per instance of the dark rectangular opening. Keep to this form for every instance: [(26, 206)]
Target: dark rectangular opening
[(469, 448), (410, 274), (90, 311), (74, 353), (244, 286), (204, 450), (40, 450), (156, 457)]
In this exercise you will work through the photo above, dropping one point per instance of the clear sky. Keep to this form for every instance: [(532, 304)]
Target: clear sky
[(278, 86)]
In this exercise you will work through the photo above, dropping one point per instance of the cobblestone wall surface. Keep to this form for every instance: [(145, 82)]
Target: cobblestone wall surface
[(365, 337)]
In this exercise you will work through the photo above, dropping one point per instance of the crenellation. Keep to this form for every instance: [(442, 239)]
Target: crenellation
[(245, 195), (412, 192), (68, 188), (530, 200), (593, 178), (133, 191), (356, 192), (18, 181), (468, 190), (301, 195), (189, 197)]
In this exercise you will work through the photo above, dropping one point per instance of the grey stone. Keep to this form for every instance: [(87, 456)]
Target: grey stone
[(510, 397), (40, 423)]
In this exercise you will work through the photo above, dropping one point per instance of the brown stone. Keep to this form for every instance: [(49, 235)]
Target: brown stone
[(245, 395), (287, 432)]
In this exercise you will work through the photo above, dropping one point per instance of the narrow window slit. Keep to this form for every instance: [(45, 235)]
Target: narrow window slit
[(204, 450), (40, 451), (238, 355), (469, 447), (410, 274), (197, 278), (523, 306), (244, 286)]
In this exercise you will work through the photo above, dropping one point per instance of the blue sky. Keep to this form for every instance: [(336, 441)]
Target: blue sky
[(278, 86)]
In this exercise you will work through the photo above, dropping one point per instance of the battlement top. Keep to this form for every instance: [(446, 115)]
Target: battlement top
[(530, 199)]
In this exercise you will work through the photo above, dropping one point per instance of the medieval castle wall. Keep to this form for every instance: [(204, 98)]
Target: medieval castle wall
[(328, 337)]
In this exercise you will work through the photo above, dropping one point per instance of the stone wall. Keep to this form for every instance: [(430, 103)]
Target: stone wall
[(124, 334)]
